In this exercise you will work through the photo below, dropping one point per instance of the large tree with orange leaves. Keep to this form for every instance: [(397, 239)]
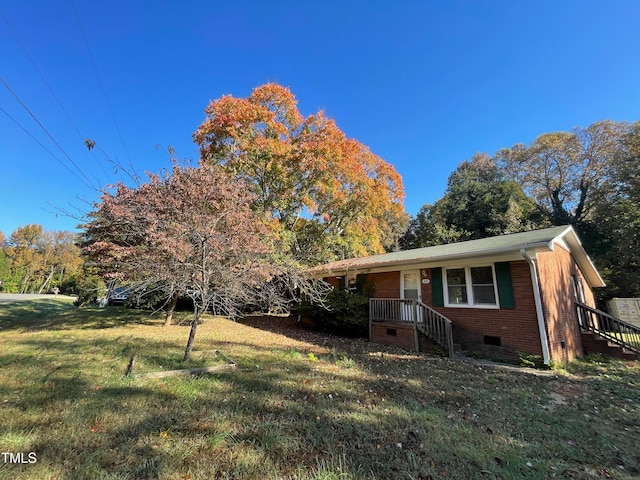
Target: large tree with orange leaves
[(325, 195)]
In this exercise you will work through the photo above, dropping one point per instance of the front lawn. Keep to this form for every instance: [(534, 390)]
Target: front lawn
[(300, 405)]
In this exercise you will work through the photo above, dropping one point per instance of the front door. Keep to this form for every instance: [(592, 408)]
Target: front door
[(409, 289)]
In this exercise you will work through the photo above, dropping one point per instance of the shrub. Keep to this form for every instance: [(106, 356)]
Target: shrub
[(89, 287), (149, 298), (531, 361), (347, 313)]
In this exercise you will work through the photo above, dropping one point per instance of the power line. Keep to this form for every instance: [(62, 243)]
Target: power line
[(104, 91), (35, 65), (41, 144), (15, 95)]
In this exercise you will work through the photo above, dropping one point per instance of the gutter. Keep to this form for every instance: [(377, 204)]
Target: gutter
[(321, 269), (544, 340)]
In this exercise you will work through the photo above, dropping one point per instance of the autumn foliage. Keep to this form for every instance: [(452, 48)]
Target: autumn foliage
[(273, 192), (167, 225), (34, 260), (326, 195), (189, 232)]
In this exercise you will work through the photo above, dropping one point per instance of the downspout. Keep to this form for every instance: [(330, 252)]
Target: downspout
[(538, 301)]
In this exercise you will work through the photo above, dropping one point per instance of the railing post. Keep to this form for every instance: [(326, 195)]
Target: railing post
[(611, 328), (411, 311), (414, 309), (371, 312)]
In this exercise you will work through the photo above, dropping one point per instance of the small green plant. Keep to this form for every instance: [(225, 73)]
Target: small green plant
[(531, 361), (342, 360), (438, 350), (292, 353), (331, 469), (312, 357), (553, 365), (347, 363)]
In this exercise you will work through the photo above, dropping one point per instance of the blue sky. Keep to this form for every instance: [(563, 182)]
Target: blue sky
[(425, 84)]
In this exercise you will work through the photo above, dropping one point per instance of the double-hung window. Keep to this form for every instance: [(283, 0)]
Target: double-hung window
[(471, 286)]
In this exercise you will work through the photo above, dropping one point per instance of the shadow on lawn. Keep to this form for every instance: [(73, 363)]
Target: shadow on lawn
[(163, 433), (392, 416), (290, 327), (56, 315), (249, 423)]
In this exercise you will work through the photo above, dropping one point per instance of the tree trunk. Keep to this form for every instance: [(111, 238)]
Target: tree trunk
[(170, 308), (192, 334), (48, 279), (25, 283)]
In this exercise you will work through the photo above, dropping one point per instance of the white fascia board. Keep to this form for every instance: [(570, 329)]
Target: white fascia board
[(588, 269)]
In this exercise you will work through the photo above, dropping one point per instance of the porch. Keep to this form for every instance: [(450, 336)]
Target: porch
[(413, 315)]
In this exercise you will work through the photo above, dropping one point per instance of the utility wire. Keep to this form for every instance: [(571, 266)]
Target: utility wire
[(35, 65), (15, 95), (104, 91), (41, 144)]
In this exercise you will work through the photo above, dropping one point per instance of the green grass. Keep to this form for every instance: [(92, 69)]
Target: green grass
[(300, 405)]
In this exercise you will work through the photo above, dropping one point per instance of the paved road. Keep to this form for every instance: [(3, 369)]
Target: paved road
[(18, 297)]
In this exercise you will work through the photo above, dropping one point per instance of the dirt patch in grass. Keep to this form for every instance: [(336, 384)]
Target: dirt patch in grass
[(569, 388)]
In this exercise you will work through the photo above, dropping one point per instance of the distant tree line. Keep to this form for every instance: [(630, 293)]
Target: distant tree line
[(34, 260), (588, 178)]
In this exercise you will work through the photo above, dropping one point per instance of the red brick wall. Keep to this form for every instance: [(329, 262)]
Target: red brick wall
[(555, 270), (387, 285), (404, 337), (517, 328), (333, 281)]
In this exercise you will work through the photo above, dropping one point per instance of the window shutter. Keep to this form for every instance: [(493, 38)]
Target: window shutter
[(505, 286), (341, 283), (436, 287)]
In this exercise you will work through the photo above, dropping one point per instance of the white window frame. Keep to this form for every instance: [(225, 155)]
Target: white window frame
[(402, 274), (467, 277)]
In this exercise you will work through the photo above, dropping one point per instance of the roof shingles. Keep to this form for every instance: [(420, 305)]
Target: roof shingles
[(484, 246)]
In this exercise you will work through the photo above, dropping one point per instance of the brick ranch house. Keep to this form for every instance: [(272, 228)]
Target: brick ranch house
[(501, 296)]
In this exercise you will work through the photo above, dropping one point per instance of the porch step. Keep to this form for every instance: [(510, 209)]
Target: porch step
[(593, 343), (399, 317)]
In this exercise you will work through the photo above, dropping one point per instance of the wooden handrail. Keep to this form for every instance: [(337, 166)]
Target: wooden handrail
[(609, 327), (413, 312), (437, 327), (390, 310)]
